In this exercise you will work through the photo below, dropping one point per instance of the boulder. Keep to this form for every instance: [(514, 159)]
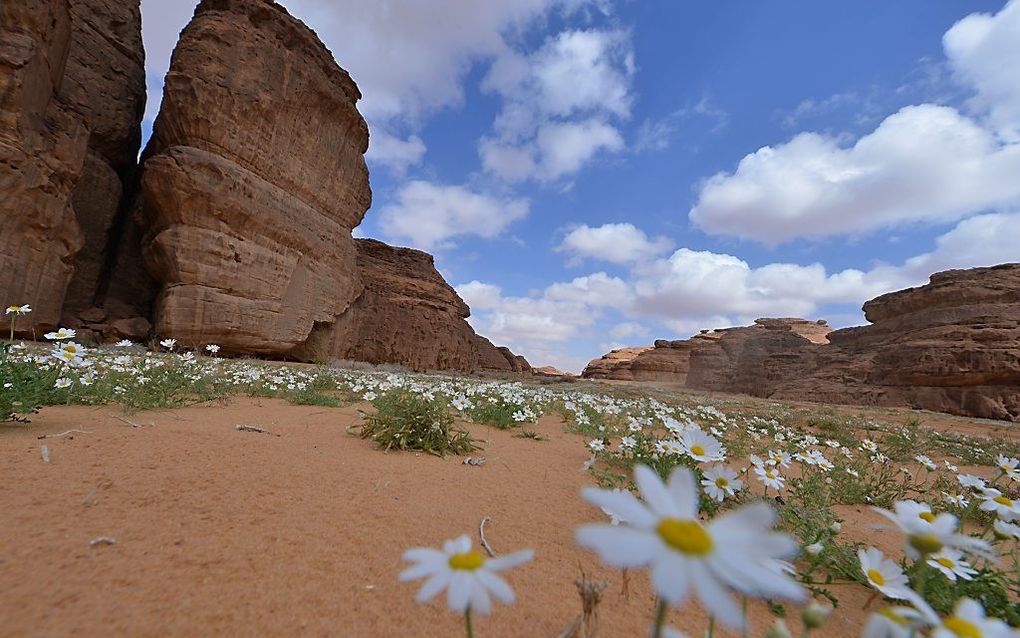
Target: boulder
[(408, 315), (252, 182)]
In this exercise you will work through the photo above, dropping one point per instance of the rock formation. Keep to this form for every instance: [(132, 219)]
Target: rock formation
[(251, 185), (72, 91), (407, 314), (952, 345)]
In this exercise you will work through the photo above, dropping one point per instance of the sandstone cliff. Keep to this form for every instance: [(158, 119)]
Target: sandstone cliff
[(407, 314), (952, 345), (72, 91)]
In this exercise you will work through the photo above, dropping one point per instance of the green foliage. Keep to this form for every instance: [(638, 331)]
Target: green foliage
[(990, 587), (405, 420), (531, 434), (24, 388), (495, 411)]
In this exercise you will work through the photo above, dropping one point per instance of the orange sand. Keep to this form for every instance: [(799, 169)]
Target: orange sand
[(221, 532)]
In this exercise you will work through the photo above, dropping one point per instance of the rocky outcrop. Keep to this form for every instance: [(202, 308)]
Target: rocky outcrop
[(72, 91), (251, 186), (952, 345), (407, 314), (42, 150), (614, 365), (252, 182)]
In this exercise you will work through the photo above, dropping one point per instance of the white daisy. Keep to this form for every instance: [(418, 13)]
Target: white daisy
[(1006, 530), (883, 574), (212, 348), (701, 446), (63, 333), (124, 343), (468, 577), (969, 621), (168, 343), (995, 501), (770, 477), (928, 533), (950, 562), (736, 551), (1009, 466), (18, 310), (63, 382), (720, 482)]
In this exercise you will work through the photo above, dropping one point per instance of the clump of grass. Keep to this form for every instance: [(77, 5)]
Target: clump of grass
[(23, 390), (407, 421), (531, 434), (497, 412)]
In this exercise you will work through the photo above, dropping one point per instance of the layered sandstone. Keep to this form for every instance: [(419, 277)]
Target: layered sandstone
[(72, 91), (252, 182), (407, 314), (952, 345), (42, 151)]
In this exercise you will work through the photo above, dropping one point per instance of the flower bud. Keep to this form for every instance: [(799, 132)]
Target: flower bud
[(814, 615), (836, 527), (814, 549)]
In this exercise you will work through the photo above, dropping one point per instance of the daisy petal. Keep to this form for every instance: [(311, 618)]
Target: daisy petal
[(655, 492), (619, 546), (624, 505), (432, 587), (480, 603), (684, 492), (459, 593), (507, 561), (496, 586), (671, 580), (715, 597)]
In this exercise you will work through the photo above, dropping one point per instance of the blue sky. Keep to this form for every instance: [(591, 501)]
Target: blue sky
[(593, 174)]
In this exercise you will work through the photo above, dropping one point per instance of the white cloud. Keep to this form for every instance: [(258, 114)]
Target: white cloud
[(598, 289), (394, 152), (430, 216), (559, 103), (983, 50), (628, 329), (616, 243), (926, 163), (658, 134), (923, 164)]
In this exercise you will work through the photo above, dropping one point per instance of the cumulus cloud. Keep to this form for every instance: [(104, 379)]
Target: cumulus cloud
[(923, 164), (394, 152), (926, 163), (982, 50), (429, 216), (616, 243), (559, 104)]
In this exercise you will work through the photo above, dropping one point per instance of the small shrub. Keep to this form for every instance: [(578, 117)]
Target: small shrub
[(407, 421)]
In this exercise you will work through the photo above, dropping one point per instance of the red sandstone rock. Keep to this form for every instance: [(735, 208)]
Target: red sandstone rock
[(952, 345), (42, 149), (407, 314)]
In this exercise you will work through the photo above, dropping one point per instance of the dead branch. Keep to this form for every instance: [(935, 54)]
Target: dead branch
[(481, 535), (63, 434), (253, 428), (132, 423), (103, 540), (44, 451), (476, 461)]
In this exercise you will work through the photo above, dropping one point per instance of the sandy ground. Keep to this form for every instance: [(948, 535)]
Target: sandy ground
[(221, 532)]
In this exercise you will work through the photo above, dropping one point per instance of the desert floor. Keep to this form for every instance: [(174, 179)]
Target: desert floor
[(224, 532)]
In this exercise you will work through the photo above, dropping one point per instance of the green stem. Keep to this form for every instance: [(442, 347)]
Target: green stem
[(743, 613), (711, 627), (467, 623), (660, 619), (919, 579)]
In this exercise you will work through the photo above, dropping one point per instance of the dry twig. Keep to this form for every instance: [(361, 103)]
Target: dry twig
[(62, 434), (587, 624), (103, 540), (253, 428), (481, 535), (44, 451), (132, 423)]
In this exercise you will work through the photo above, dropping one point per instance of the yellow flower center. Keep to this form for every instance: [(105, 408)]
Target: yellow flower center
[(962, 628), (686, 536), (926, 543), (770, 474), (893, 616), (721, 482), (876, 577), (469, 561), (1002, 500), (698, 450), (945, 562), (928, 516)]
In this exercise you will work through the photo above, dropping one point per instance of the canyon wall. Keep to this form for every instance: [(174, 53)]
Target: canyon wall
[(952, 345)]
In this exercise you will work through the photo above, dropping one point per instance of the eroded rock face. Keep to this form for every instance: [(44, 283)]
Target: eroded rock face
[(408, 315), (72, 91), (252, 182), (42, 150), (952, 345)]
